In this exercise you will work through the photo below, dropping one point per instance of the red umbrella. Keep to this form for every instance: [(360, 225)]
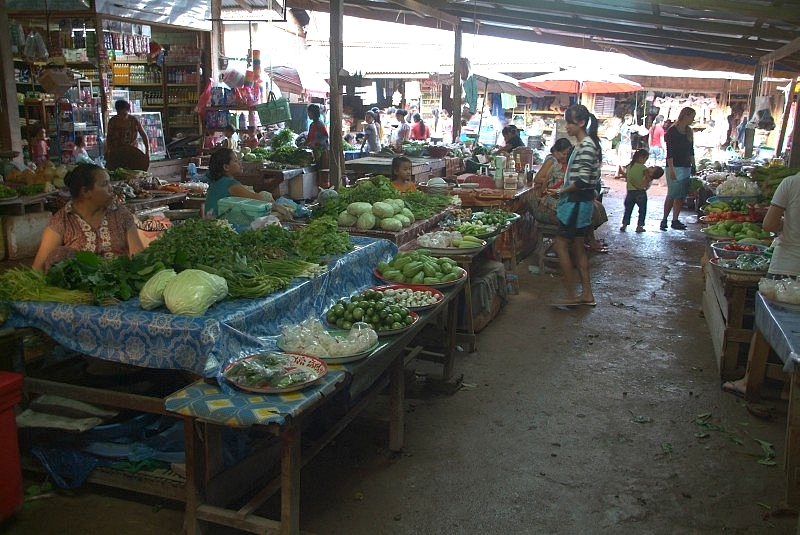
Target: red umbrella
[(581, 81)]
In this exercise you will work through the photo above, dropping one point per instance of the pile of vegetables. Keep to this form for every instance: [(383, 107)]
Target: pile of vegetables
[(377, 312), (768, 178), (740, 231), (408, 296), (738, 186), (311, 338), (319, 238), (268, 371), (390, 214), (189, 292), (494, 216), (419, 267), (745, 262), (252, 264), (379, 189), (23, 283)]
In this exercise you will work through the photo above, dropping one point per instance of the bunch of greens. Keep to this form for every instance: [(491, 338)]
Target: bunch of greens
[(424, 205), (283, 138), (272, 241), (292, 156), (108, 281), (320, 237), (23, 283)]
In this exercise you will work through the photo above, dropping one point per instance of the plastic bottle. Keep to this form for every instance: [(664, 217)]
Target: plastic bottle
[(242, 121)]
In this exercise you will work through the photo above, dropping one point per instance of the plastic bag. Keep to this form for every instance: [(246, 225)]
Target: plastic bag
[(204, 100), (762, 118), (35, 47)]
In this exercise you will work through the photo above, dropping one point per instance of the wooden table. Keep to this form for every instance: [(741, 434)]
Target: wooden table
[(779, 329), (727, 302), (24, 204), (355, 387), (422, 168), (173, 200)]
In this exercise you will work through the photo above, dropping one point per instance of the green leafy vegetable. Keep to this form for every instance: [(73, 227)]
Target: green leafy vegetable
[(321, 237)]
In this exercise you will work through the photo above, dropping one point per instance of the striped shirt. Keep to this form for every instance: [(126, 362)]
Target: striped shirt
[(584, 167)]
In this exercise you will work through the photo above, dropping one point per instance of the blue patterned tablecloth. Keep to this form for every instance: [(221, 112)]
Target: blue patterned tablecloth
[(127, 334), (780, 326), (235, 408)]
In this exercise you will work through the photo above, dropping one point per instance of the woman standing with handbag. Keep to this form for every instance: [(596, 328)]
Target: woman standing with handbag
[(576, 203)]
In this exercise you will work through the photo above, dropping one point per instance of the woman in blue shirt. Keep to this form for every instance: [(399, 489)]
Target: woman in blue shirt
[(222, 166)]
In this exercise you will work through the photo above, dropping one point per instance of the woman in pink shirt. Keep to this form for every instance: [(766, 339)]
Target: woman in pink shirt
[(656, 138)]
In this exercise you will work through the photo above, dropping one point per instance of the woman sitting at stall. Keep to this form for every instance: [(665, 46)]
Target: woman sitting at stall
[(221, 167), (511, 139), (90, 221)]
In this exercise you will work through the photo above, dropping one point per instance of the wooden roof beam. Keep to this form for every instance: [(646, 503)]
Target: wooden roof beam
[(782, 52), (422, 9)]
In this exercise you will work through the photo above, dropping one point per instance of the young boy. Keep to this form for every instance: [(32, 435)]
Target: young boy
[(639, 179)]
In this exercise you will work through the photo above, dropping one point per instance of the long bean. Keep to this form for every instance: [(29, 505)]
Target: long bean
[(26, 284)]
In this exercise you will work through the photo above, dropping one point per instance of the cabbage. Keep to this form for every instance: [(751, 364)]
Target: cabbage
[(383, 209), (391, 223), (192, 291), (346, 219), (366, 221), (358, 208), (152, 293)]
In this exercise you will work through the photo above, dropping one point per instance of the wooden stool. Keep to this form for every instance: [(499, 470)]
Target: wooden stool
[(545, 234)]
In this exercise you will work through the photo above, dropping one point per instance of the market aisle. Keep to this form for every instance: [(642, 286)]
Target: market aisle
[(604, 420), (593, 420)]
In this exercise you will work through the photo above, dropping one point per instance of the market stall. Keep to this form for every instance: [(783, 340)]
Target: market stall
[(422, 168), (776, 327), (520, 240), (126, 334)]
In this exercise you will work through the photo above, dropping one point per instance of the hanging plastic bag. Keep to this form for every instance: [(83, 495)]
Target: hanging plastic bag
[(204, 101), (35, 49), (762, 118)]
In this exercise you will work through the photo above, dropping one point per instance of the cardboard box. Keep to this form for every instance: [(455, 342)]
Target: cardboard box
[(55, 81)]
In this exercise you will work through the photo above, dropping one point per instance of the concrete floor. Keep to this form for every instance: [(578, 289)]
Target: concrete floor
[(591, 420)]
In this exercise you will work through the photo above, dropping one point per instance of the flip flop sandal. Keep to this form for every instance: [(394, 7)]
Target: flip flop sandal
[(730, 390)]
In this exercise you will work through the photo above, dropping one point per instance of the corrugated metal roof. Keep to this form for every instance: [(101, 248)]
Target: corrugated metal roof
[(709, 35)]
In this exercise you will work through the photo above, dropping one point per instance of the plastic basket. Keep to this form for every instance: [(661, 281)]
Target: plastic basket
[(274, 110)]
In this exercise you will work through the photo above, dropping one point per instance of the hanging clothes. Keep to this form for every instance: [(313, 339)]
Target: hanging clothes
[(497, 105), (471, 93), (509, 101)]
